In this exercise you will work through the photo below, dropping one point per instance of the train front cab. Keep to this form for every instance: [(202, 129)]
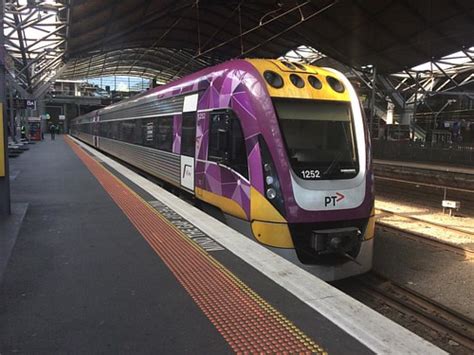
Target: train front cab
[(318, 214)]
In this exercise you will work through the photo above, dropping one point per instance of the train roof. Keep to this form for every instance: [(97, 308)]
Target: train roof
[(284, 68)]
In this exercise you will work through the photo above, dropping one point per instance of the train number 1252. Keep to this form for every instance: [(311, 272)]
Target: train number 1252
[(310, 174)]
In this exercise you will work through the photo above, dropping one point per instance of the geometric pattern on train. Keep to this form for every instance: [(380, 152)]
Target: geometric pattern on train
[(228, 91), (226, 183)]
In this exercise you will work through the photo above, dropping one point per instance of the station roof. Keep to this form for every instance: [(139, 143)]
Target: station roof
[(170, 38)]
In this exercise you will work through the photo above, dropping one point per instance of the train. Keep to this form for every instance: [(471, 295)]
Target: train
[(280, 148)]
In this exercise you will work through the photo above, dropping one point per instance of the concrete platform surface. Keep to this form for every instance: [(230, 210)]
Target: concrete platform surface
[(9, 229)]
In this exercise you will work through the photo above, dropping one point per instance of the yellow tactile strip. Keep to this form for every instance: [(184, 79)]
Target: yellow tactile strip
[(245, 320)]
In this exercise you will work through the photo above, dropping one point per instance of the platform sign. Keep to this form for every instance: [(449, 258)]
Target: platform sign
[(2, 144), (31, 104), (187, 172)]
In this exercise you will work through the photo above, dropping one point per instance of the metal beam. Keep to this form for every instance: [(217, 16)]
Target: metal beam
[(262, 24), (29, 50), (22, 48), (14, 84), (43, 89)]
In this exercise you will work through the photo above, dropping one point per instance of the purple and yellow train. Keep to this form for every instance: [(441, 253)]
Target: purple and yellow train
[(280, 148)]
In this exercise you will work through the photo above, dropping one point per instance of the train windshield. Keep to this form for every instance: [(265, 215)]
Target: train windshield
[(320, 138)]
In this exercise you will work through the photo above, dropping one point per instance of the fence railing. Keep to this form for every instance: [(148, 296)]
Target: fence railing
[(450, 154)]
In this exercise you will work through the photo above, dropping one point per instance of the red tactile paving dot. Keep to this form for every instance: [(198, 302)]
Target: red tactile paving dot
[(246, 321)]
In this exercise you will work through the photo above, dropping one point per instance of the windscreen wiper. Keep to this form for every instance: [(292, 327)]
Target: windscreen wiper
[(333, 164)]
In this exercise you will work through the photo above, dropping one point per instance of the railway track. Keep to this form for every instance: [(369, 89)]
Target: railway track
[(450, 327), (446, 328), (467, 252)]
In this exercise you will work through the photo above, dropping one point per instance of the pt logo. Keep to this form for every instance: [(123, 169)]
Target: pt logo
[(332, 200), (187, 170)]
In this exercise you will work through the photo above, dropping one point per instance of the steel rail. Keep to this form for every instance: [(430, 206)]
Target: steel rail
[(424, 310), (467, 253)]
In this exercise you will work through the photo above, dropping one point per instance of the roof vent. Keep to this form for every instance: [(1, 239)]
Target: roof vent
[(336, 85), (273, 79), (288, 65), (300, 66), (315, 82), (297, 80)]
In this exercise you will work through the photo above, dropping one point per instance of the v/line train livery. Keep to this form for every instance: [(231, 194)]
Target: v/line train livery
[(280, 148)]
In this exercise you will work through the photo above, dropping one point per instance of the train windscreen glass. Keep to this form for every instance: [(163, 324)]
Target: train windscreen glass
[(319, 137)]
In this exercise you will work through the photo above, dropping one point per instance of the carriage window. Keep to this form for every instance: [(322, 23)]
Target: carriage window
[(148, 129), (188, 134), (103, 129), (108, 129), (128, 131), (138, 133), (165, 133), (115, 130), (226, 142)]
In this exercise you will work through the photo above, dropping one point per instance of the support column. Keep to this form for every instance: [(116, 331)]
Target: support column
[(40, 112), (407, 114), (372, 105), (4, 173), (416, 98), (12, 116), (66, 121)]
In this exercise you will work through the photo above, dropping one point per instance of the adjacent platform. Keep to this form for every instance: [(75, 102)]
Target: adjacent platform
[(108, 262), (429, 175), (426, 166)]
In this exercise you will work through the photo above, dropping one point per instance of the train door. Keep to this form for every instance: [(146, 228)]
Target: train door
[(188, 141), (95, 131), (226, 142)]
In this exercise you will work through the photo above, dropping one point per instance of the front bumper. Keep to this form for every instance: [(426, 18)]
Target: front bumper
[(335, 271)]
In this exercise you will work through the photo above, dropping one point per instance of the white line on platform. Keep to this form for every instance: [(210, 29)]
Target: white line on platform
[(376, 332)]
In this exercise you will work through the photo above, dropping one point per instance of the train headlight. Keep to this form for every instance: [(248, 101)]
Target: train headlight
[(271, 193), (272, 185), (269, 179)]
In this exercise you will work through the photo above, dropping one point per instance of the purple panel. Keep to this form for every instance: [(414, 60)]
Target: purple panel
[(255, 164), (227, 183), (202, 132), (199, 177), (204, 101)]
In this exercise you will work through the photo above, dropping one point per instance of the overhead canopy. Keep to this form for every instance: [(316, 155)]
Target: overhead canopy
[(168, 39)]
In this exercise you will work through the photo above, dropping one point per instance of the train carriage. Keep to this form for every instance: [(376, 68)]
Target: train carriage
[(280, 148)]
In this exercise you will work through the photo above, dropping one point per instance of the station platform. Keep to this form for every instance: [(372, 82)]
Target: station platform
[(106, 261)]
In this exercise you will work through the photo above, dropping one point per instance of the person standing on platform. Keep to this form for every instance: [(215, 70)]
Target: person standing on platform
[(52, 130)]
